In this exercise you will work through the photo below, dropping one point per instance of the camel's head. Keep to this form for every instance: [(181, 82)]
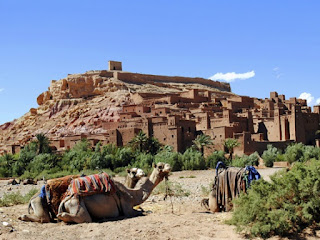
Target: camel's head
[(162, 169), (135, 173)]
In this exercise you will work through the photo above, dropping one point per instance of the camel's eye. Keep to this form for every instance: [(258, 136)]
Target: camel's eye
[(160, 167)]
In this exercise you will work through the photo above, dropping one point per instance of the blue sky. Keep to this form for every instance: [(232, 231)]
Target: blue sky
[(273, 45)]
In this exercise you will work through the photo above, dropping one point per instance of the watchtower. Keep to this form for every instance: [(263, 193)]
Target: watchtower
[(115, 66)]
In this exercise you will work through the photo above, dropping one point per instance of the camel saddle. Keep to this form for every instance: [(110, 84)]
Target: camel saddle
[(55, 190), (90, 185)]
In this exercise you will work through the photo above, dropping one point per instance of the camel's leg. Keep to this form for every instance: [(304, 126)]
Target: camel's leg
[(76, 211), (41, 212), (129, 211), (213, 205)]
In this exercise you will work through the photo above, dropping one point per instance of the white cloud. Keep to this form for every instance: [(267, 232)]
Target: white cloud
[(318, 101), (308, 97), (232, 76), (276, 72)]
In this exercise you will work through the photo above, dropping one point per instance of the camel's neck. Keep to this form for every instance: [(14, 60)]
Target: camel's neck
[(144, 188), (130, 183)]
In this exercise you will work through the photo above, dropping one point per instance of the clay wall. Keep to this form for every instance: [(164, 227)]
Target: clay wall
[(145, 78), (165, 135), (203, 121), (127, 134), (128, 115), (160, 111), (114, 65)]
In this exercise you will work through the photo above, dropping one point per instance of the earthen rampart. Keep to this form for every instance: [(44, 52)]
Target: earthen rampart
[(138, 78)]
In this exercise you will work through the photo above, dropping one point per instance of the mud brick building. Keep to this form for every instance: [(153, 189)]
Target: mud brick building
[(176, 117)]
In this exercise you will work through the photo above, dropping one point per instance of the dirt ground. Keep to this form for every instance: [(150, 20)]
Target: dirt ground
[(188, 220)]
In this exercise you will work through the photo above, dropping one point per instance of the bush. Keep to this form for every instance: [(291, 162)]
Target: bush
[(144, 161), (171, 188), (168, 156), (286, 205), (214, 158), (294, 153), (245, 160), (193, 160), (269, 156), (16, 198), (79, 157)]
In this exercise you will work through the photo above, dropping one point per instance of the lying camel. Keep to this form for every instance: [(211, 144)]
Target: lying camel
[(42, 212), (100, 206), (229, 184), (134, 175), (41, 208)]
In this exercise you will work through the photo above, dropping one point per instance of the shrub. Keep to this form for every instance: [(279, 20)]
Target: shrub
[(42, 162), (245, 160), (269, 156), (144, 161), (294, 153), (168, 156), (79, 157), (214, 158), (193, 160), (16, 198), (286, 205), (171, 188)]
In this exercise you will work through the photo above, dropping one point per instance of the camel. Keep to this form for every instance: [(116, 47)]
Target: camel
[(80, 209), (41, 209), (13, 182), (29, 181), (134, 175), (42, 212), (229, 184)]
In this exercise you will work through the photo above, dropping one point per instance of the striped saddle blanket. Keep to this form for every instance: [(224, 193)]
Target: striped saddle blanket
[(92, 184)]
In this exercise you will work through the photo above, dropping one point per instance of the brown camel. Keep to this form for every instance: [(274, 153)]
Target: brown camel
[(134, 175), (41, 208), (228, 185), (42, 212), (101, 206)]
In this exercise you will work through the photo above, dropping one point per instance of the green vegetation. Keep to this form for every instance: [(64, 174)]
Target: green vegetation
[(201, 142), (286, 205), (171, 188), (36, 160), (251, 160), (229, 145), (16, 198)]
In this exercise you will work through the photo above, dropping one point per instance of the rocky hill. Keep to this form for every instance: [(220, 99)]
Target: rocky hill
[(80, 102)]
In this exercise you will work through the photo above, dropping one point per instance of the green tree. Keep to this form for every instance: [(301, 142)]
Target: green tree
[(153, 145), (202, 141), (139, 141), (230, 144), (215, 157), (43, 143)]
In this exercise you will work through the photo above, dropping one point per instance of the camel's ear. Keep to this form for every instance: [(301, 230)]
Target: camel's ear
[(128, 170), (153, 165)]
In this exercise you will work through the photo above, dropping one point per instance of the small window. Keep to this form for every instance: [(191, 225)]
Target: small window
[(172, 136)]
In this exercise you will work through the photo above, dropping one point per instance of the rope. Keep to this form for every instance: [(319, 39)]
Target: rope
[(169, 193)]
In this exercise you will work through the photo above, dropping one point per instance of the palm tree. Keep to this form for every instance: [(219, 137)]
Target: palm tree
[(43, 143), (230, 144), (202, 141), (139, 141)]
